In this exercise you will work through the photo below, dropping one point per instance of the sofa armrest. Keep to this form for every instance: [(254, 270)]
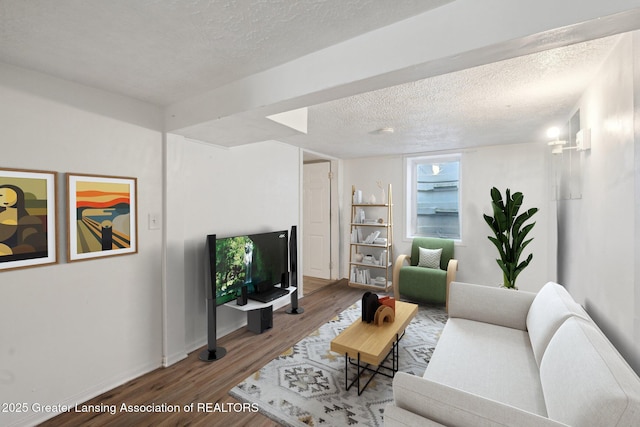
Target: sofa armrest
[(452, 267), (395, 278), (498, 306), (450, 406)]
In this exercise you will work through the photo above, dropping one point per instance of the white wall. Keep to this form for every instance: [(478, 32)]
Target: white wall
[(213, 190), (520, 167), (71, 331), (598, 238)]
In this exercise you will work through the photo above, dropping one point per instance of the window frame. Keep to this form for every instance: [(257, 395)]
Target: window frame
[(410, 174)]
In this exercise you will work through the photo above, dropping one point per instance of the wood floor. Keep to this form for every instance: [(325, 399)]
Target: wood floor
[(313, 284), (193, 381)]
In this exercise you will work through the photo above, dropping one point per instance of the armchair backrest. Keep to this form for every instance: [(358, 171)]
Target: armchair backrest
[(432, 243)]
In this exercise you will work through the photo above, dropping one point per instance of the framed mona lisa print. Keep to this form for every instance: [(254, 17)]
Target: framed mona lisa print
[(28, 234)]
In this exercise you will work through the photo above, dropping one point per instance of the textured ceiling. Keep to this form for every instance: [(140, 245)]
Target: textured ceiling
[(163, 51), (507, 102), (512, 101)]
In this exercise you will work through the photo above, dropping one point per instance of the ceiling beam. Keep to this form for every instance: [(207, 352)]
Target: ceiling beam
[(458, 35)]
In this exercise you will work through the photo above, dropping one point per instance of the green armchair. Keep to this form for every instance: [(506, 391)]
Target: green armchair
[(423, 284)]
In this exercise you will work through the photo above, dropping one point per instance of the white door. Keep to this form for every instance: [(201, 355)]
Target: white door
[(316, 237)]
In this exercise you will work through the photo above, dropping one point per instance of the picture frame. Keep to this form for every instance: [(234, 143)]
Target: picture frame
[(102, 216), (28, 222)]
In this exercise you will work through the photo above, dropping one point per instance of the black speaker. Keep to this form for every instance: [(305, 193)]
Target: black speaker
[(212, 352), (294, 304), (293, 256), (260, 320), (284, 280), (242, 298), (293, 261)]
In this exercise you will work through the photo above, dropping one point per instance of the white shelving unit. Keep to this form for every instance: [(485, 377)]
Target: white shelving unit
[(371, 251)]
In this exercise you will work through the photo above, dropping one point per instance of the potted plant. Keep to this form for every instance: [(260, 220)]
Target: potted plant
[(510, 233)]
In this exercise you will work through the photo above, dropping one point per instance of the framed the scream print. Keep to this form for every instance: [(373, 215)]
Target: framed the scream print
[(102, 216)]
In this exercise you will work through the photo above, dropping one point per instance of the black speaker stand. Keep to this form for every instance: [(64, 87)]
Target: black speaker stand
[(212, 352), (207, 355), (294, 304)]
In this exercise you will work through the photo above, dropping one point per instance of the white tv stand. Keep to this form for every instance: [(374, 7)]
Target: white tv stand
[(260, 314)]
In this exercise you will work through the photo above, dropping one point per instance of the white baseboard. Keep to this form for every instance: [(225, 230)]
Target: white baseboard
[(173, 358)]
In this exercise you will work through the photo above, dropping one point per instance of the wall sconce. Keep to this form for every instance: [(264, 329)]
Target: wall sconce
[(583, 139), (553, 132), (557, 144), (567, 168)]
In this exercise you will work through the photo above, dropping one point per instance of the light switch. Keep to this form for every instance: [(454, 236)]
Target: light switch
[(154, 221)]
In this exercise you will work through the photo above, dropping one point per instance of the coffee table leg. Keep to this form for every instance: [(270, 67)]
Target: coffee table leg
[(346, 371), (360, 369), (358, 373), (359, 392), (396, 355), (395, 366)]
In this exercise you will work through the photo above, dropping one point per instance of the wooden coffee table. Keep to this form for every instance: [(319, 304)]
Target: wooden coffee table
[(370, 344)]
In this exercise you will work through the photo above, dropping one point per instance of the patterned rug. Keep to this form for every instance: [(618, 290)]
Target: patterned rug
[(305, 386)]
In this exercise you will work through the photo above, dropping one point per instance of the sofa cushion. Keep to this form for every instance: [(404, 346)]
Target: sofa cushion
[(549, 309), (430, 258), (487, 360), (490, 304), (585, 380), (449, 406)]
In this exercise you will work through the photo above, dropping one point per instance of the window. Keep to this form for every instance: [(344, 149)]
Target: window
[(433, 196)]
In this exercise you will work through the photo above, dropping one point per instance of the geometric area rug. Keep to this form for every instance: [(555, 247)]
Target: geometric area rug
[(304, 386)]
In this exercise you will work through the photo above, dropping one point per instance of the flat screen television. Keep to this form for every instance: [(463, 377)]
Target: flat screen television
[(248, 260)]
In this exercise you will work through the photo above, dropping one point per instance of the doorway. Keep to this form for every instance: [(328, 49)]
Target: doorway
[(317, 227)]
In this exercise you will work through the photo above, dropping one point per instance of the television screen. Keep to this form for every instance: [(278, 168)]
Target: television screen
[(249, 260)]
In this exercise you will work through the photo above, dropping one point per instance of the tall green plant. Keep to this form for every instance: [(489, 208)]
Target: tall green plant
[(510, 233)]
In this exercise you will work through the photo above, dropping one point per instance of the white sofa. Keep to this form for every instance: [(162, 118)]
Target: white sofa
[(514, 358)]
